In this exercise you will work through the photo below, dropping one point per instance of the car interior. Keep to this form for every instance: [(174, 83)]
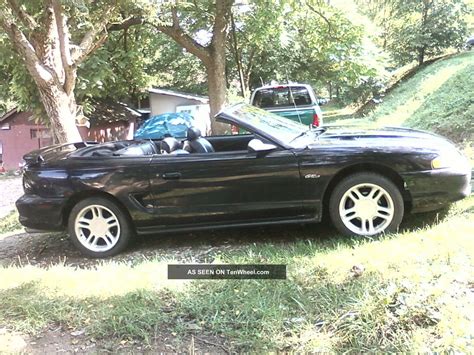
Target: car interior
[(193, 143)]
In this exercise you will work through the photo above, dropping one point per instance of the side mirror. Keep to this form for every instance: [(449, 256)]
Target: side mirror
[(257, 146)]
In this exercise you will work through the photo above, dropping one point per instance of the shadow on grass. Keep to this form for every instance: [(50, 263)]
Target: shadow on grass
[(202, 246)]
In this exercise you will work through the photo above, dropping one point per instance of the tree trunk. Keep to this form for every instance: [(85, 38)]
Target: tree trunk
[(238, 58), (44, 45), (61, 110), (421, 55), (216, 82)]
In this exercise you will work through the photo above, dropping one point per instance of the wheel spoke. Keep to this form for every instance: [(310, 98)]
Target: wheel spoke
[(89, 238), (382, 216), (371, 226), (84, 223), (94, 242), (108, 241), (374, 194), (387, 211), (349, 211), (364, 226), (111, 222), (355, 195)]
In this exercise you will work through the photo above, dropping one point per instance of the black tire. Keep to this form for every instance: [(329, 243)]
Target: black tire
[(366, 178), (123, 233)]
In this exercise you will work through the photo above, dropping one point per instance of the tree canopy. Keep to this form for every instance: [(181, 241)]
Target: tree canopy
[(118, 49)]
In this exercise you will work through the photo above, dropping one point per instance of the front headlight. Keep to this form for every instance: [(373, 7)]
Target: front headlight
[(450, 160)]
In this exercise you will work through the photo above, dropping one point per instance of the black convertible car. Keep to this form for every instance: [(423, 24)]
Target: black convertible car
[(280, 172)]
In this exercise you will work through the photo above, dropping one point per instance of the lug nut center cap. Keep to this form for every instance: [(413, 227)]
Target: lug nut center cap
[(366, 209)]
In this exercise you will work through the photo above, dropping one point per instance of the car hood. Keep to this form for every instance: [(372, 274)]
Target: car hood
[(380, 137)]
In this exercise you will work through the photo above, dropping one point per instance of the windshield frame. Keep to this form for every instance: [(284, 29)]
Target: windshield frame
[(228, 115)]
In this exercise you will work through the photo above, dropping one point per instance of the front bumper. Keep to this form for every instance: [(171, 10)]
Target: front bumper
[(434, 189), (43, 213)]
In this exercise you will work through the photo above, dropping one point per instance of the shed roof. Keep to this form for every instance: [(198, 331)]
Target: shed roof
[(109, 111), (199, 98), (8, 114)]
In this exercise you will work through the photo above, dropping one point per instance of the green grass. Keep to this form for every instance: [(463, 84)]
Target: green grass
[(10, 223), (415, 294)]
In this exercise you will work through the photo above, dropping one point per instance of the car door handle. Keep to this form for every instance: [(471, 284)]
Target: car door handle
[(171, 176)]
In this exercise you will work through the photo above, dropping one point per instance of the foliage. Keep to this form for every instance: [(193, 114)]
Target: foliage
[(59, 36), (414, 30), (15, 82), (329, 48), (311, 42)]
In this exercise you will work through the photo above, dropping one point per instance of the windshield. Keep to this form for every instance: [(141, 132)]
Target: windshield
[(280, 97), (257, 120)]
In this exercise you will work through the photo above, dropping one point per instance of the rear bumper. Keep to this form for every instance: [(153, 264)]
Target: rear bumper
[(43, 213), (434, 189)]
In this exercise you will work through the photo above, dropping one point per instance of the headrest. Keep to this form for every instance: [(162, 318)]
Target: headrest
[(170, 144), (193, 133)]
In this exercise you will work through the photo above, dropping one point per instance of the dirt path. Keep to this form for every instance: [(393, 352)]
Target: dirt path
[(10, 190)]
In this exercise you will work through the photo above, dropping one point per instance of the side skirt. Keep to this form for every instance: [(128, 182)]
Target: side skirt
[(161, 230)]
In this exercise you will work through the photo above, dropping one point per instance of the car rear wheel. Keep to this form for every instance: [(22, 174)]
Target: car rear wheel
[(366, 204), (99, 228)]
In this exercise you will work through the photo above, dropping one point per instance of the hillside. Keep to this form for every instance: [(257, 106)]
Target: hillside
[(438, 98)]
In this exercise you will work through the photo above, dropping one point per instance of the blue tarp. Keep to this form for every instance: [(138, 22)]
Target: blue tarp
[(166, 124)]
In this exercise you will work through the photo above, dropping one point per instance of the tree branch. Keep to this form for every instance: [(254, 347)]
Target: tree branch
[(221, 21), (24, 17), (89, 43), (176, 32), (250, 62), (63, 34), (129, 22), (21, 44), (320, 14)]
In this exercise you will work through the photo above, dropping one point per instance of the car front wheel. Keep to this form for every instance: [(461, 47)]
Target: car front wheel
[(366, 204), (99, 228)]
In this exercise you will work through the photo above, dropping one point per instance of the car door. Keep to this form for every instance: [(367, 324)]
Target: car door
[(225, 188)]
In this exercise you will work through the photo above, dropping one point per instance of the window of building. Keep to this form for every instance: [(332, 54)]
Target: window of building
[(36, 133), (5, 126)]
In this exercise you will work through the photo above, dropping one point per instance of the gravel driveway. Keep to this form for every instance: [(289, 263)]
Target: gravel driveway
[(10, 189)]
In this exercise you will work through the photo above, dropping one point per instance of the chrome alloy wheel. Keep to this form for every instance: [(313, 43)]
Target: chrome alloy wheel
[(366, 209), (97, 228)]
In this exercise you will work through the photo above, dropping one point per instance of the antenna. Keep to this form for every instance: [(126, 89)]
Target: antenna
[(292, 98)]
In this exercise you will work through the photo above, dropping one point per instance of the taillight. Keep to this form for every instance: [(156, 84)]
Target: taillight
[(315, 120), (27, 185)]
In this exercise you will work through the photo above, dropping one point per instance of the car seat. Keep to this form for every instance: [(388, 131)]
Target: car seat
[(195, 143)]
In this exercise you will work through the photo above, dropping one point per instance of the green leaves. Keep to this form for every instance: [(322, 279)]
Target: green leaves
[(414, 30)]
